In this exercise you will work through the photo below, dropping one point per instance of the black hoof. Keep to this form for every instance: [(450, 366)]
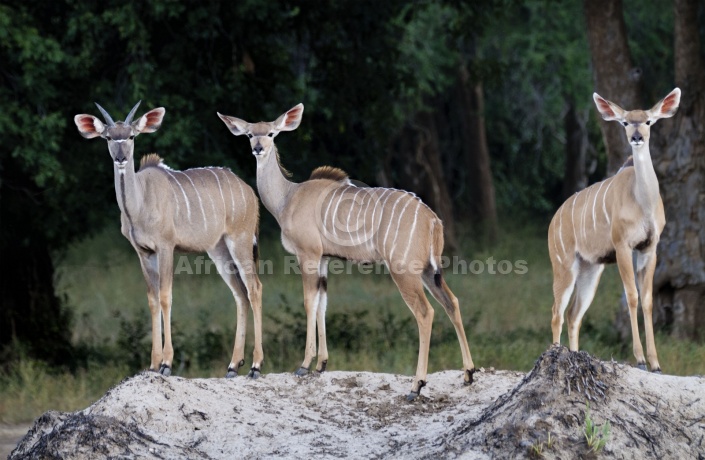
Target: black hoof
[(231, 373), (469, 374), (165, 370), (641, 366), (300, 372), (415, 394), (657, 371), (254, 373), (323, 367)]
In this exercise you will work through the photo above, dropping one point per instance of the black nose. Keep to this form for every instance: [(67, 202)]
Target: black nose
[(258, 149), (637, 137), (120, 159)]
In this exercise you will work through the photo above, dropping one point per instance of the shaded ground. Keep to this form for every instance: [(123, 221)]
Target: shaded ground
[(364, 415)]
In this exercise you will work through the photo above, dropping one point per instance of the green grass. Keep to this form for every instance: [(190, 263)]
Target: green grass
[(507, 320)]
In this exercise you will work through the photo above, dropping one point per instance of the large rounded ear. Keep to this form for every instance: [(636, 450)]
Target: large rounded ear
[(667, 107), (608, 110), (291, 119), (235, 125), (88, 125), (150, 121)]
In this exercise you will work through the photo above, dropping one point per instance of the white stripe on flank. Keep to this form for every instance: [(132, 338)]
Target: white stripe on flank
[(357, 220), (188, 207), (411, 232), (374, 210), (222, 197), (396, 234), (594, 225), (335, 211), (198, 195), (389, 225), (352, 205), (604, 197), (232, 196), (585, 206), (242, 191), (371, 197), (325, 216), (572, 219)]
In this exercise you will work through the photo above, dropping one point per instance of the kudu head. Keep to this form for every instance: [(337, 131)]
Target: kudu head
[(637, 123), (120, 135), (262, 134)]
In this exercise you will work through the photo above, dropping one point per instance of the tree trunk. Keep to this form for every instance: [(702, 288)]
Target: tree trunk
[(469, 111), (575, 176), (416, 166), (615, 77), (679, 283), (32, 320)]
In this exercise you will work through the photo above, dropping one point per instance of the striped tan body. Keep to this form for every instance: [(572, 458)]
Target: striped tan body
[(329, 216), (210, 202), (366, 224), (617, 220), (199, 210)]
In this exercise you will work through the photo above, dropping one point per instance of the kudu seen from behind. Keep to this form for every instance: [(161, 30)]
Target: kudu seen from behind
[(197, 210), (617, 220), (327, 216)]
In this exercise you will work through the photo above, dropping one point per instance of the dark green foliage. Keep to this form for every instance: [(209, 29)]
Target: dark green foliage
[(361, 68)]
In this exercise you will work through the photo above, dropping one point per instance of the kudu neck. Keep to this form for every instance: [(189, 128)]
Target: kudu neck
[(127, 190), (646, 188), (273, 186)]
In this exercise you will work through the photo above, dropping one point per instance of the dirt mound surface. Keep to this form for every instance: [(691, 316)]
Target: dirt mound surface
[(364, 415)]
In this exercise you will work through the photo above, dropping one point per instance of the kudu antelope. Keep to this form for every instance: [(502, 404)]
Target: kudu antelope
[(329, 216), (198, 210), (609, 222)]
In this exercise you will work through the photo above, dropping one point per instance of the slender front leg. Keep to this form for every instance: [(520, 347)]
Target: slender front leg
[(150, 270), (646, 282), (166, 270), (321, 315), (626, 272), (309, 275)]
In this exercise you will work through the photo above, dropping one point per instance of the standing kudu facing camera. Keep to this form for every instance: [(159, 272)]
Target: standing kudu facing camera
[(327, 216), (617, 220), (198, 210)]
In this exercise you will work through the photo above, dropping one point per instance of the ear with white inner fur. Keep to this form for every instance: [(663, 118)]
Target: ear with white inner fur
[(608, 110), (89, 126), (235, 125), (667, 107), (291, 119), (150, 121)]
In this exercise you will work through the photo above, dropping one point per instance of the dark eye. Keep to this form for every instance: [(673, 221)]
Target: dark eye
[(132, 137), (250, 135), (625, 123), (648, 122), (109, 138), (270, 134)]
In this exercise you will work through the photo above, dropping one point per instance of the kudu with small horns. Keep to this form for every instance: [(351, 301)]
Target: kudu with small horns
[(327, 216), (617, 220), (198, 210)]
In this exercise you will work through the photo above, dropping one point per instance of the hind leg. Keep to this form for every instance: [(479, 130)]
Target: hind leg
[(411, 289), (585, 286), (242, 252), (438, 288), (230, 274), (563, 285)]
